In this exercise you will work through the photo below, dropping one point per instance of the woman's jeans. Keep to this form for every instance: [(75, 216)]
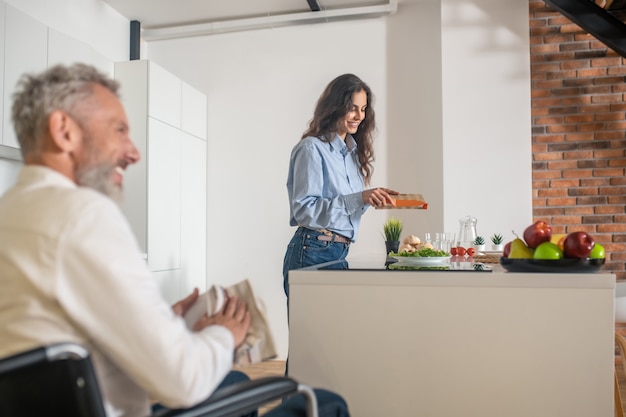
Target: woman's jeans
[(305, 249)]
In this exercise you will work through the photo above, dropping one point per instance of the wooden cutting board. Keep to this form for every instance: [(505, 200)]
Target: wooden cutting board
[(407, 201)]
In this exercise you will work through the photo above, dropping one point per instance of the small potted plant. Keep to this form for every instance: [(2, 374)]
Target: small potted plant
[(497, 242), (392, 230), (479, 243)]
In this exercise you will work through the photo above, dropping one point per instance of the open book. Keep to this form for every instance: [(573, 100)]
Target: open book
[(258, 344)]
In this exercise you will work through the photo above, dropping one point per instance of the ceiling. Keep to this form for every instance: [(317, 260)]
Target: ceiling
[(156, 14)]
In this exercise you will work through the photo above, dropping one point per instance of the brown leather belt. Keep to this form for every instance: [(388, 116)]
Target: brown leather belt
[(329, 236)]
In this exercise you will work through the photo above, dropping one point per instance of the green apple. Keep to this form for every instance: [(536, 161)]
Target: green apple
[(597, 252), (548, 250), (519, 250)]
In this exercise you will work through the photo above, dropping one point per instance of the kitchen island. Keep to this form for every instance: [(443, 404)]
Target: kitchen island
[(454, 343)]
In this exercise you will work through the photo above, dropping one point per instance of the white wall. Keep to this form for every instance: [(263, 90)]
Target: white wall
[(452, 84), (459, 113), (415, 111), (486, 115), (262, 87), (90, 21)]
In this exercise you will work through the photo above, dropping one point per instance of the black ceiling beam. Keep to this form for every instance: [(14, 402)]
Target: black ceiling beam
[(595, 20), (314, 5)]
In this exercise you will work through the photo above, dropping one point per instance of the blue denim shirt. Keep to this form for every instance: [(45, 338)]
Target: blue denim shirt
[(324, 186)]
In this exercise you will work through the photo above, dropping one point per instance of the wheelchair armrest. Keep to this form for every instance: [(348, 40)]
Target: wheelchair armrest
[(23, 360), (43, 354), (57, 379), (238, 399)]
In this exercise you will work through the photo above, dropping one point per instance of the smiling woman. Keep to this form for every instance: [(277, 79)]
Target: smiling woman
[(328, 170)]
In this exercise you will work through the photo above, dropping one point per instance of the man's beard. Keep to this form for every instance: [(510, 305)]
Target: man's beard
[(97, 175), (99, 178)]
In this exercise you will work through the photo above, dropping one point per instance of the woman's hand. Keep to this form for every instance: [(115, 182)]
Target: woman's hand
[(379, 197)]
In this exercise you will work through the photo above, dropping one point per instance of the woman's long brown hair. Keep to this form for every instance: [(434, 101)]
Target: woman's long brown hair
[(333, 105)]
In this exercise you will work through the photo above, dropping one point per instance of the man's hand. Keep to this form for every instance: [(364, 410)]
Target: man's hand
[(181, 307), (234, 316)]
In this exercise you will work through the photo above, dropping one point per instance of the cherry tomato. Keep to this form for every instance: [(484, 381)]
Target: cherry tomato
[(471, 251), (453, 251), (461, 251)]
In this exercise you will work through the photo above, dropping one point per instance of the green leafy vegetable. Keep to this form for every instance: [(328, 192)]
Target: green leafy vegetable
[(422, 253), (418, 268)]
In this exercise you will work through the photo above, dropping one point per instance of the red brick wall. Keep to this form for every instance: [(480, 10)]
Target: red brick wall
[(579, 132)]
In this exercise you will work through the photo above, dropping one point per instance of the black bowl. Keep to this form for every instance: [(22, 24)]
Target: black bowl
[(566, 265)]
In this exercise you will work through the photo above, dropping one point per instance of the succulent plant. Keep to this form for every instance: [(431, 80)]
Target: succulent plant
[(479, 241), (392, 229), (497, 239)]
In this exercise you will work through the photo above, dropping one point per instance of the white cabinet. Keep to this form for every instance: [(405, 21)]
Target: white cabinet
[(63, 49), (193, 200), (165, 193), (164, 189), (25, 50), (29, 46), (194, 114), (164, 95)]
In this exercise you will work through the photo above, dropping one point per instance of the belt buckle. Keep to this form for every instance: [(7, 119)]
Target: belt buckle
[(333, 237), (326, 232)]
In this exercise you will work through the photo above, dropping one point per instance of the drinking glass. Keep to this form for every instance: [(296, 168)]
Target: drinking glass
[(439, 241), (449, 239)]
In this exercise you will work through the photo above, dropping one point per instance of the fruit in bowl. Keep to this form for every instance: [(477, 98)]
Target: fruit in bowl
[(519, 250), (574, 252), (578, 245), (548, 251), (539, 243), (537, 233), (558, 239), (507, 249), (597, 252)]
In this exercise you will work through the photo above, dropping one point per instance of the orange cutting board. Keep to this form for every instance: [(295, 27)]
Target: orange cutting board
[(407, 201)]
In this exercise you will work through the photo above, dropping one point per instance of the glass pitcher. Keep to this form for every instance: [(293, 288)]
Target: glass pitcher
[(467, 231)]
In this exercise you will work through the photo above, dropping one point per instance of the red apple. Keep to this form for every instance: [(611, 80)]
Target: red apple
[(537, 233), (578, 245), (506, 250)]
